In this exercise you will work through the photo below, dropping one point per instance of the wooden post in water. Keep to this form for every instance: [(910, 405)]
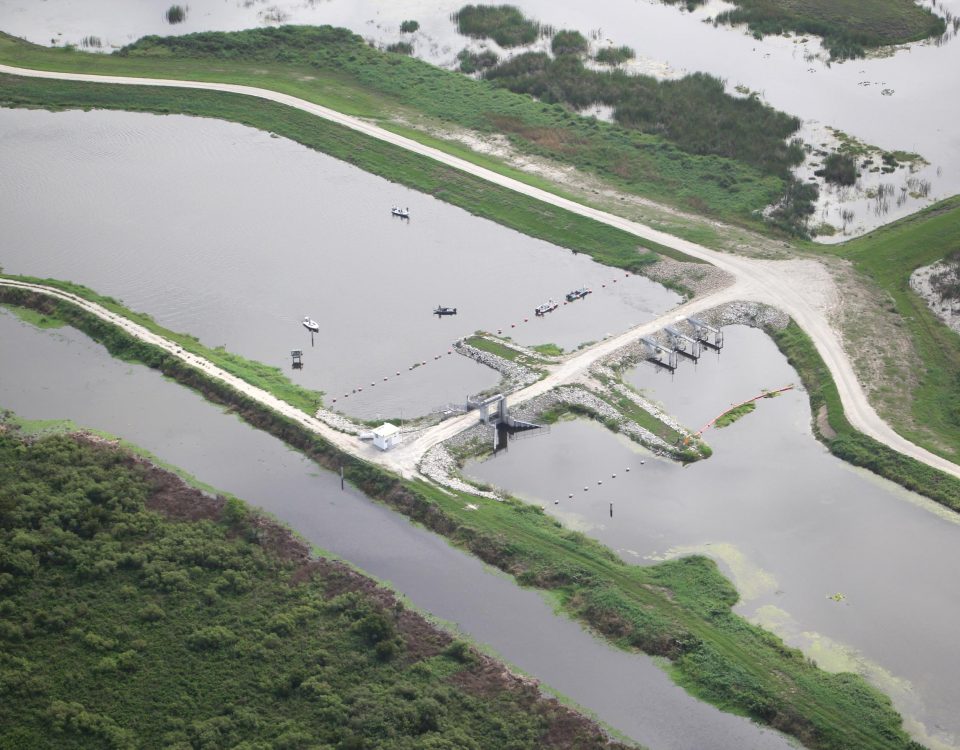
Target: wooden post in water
[(341, 477), (611, 510)]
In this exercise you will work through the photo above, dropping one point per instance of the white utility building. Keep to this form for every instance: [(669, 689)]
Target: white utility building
[(386, 436)]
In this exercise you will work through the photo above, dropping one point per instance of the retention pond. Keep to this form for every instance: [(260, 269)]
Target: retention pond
[(226, 233)]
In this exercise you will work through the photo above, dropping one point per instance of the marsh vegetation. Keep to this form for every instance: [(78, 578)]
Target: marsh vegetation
[(848, 27), (140, 612)]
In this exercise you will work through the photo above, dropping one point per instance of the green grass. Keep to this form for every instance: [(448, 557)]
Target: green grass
[(847, 27), (503, 350), (270, 379), (336, 69), (34, 318), (125, 625), (679, 609), (550, 350), (735, 414), (931, 415)]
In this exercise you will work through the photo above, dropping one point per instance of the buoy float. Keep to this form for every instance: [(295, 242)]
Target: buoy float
[(613, 476), (628, 468), (384, 380), (642, 463), (586, 489), (398, 372), (556, 502), (599, 481), (570, 496)]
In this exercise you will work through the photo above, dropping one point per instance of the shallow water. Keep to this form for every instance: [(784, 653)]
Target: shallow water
[(221, 231), (902, 101), (62, 374), (792, 525)]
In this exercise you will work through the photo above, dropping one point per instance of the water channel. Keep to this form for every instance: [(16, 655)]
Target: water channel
[(63, 375), (902, 100), (221, 231), (852, 569)]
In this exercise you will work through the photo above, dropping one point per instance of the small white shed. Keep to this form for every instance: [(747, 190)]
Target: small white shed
[(386, 436)]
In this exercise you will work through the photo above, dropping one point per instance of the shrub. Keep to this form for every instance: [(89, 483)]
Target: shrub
[(211, 638), (505, 24), (614, 55), (176, 14), (408, 27), (568, 42), (471, 62), (400, 48), (839, 169)]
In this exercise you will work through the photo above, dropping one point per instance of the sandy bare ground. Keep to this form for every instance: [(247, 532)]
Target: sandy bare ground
[(801, 288)]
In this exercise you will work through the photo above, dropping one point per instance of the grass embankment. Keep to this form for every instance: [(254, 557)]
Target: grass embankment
[(679, 609), (504, 351), (833, 429), (139, 612), (337, 69), (35, 318), (848, 27), (930, 415), (270, 379), (532, 217)]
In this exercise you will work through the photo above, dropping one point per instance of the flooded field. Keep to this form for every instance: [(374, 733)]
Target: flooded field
[(62, 374), (866, 98), (231, 235), (852, 569)]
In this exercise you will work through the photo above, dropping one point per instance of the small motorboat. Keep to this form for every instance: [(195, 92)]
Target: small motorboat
[(310, 324), (546, 307), (578, 294), (403, 213), (440, 311)]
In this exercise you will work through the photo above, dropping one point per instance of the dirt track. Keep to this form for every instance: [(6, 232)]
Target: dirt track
[(802, 289)]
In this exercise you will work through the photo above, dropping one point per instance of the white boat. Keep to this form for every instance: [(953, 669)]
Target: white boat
[(546, 307), (403, 213), (310, 324)]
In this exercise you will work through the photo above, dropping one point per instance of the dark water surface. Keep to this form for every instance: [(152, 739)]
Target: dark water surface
[(221, 231), (62, 374), (792, 525)]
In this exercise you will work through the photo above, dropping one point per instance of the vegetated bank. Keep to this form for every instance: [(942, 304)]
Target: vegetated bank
[(930, 415), (848, 27), (833, 429), (679, 609), (141, 612), (524, 214), (271, 379), (336, 68)]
